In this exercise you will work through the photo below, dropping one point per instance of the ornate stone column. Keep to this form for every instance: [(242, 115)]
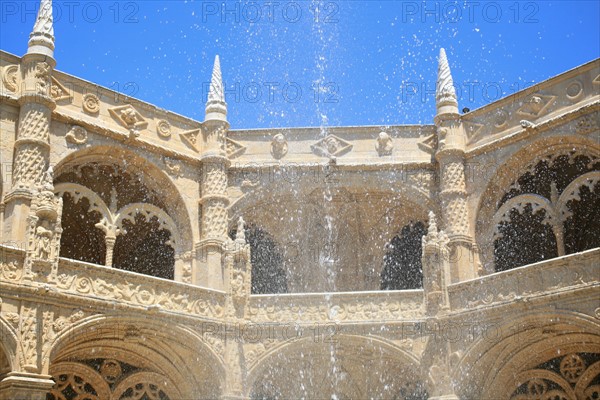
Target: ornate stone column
[(436, 357), (44, 231), (237, 286), (450, 155), (26, 382), (213, 188), (32, 145)]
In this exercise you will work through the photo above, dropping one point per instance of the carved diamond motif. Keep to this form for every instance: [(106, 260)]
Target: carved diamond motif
[(596, 80), (429, 144), (472, 130), (331, 146), (191, 139), (233, 148), (535, 105), (58, 91), (129, 117)]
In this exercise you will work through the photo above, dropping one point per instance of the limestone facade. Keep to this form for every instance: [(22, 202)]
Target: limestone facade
[(148, 254)]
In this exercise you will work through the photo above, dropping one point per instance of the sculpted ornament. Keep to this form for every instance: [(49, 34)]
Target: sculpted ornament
[(588, 124), (58, 91), (384, 144), (42, 74), (331, 146), (77, 135), (91, 103), (279, 146)]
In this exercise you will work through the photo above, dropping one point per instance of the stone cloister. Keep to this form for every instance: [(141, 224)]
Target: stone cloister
[(146, 255)]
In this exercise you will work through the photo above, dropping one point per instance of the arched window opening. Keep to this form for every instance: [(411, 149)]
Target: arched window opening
[(551, 210), (143, 248), (582, 227), (560, 170), (402, 267), (111, 217), (81, 239), (268, 274), (525, 239)]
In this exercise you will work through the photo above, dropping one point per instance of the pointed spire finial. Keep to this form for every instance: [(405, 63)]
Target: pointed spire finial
[(216, 108), (432, 229), (445, 94), (41, 39)]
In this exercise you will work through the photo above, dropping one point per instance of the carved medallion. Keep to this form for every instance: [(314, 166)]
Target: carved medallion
[(163, 128), (91, 103), (10, 77), (77, 135), (574, 91)]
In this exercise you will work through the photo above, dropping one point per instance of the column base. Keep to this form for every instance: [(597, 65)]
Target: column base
[(445, 397), (25, 386)]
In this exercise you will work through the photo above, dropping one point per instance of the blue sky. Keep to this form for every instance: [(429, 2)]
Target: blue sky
[(313, 63)]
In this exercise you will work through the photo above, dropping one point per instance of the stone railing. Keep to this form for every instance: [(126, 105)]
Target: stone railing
[(100, 283), (337, 307), (550, 276)]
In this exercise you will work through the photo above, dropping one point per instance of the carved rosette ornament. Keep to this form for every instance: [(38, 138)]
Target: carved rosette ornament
[(91, 103)]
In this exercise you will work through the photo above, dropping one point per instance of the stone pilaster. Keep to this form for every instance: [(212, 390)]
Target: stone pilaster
[(450, 155), (32, 145), (44, 230)]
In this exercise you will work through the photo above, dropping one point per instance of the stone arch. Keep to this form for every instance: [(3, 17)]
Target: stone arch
[(344, 368), (332, 229), (154, 178), (142, 345), (129, 179), (490, 366), (510, 168), (8, 347)]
